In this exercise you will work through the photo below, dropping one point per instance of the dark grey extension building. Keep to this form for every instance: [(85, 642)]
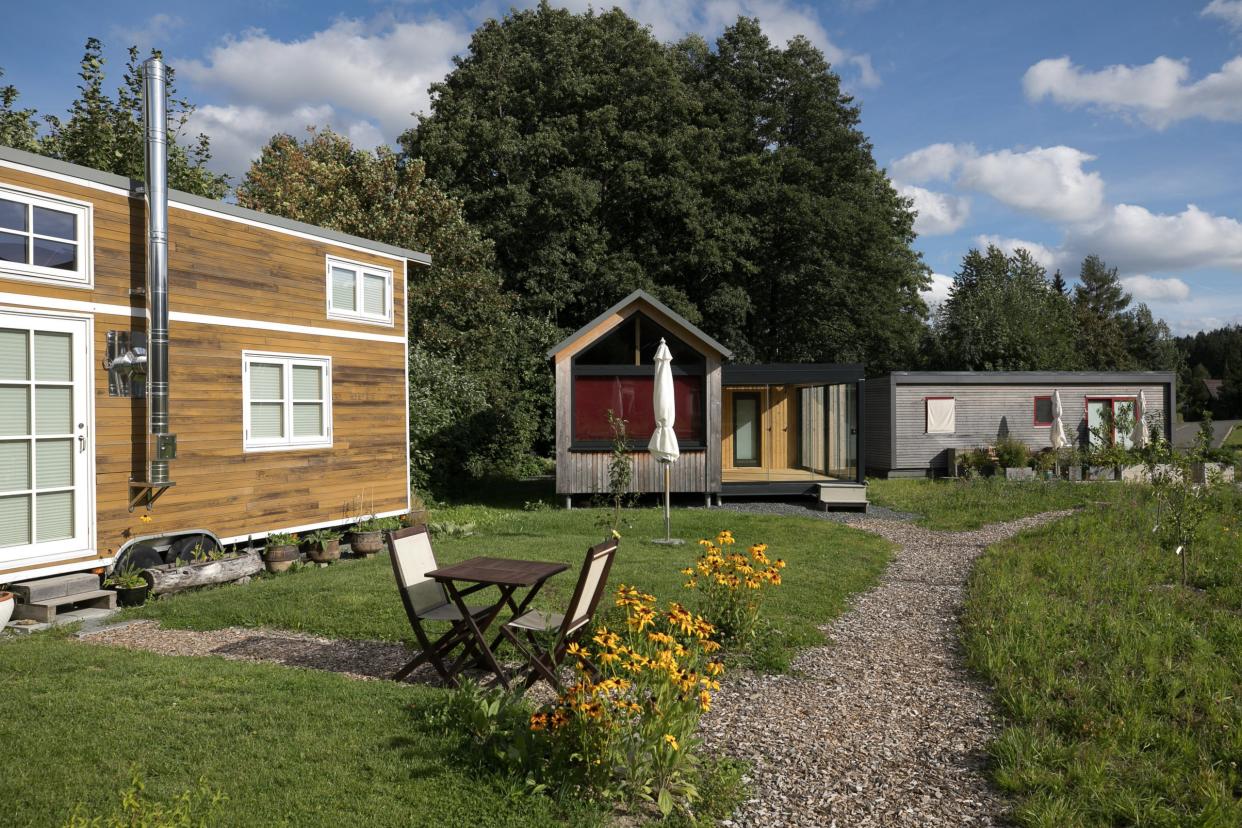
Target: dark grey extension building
[(913, 418)]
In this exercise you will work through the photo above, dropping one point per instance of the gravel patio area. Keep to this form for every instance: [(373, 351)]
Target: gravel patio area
[(884, 725)]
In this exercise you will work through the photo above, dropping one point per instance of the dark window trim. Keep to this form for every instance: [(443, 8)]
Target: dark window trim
[(758, 398)]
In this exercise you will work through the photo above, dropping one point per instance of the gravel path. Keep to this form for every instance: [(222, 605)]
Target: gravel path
[(884, 726), (357, 659)]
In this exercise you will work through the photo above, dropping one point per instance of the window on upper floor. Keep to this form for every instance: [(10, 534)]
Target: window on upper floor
[(359, 292), (44, 238), (287, 401)]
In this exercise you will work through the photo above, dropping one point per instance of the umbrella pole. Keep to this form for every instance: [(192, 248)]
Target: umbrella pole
[(668, 522)]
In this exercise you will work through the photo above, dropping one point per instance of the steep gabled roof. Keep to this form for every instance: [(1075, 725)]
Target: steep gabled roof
[(634, 298)]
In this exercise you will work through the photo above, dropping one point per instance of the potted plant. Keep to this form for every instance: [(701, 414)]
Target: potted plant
[(324, 545), (7, 602), (367, 536), (131, 587), (281, 552)]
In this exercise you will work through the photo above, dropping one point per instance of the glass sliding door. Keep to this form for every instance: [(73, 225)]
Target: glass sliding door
[(828, 430), (747, 443)]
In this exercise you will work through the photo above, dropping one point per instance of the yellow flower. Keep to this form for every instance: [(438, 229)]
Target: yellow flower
[(705, 700), (145, 518), (672, 741), (616, 535), (714, 668), (576, 650), (539, 721)]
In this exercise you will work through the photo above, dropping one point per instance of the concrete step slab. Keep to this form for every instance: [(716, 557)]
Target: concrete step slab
[(45, 611), (58, 586)]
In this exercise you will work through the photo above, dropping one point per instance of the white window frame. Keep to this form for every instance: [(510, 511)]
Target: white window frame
[(288, 442), (84, 275), (359, 268)]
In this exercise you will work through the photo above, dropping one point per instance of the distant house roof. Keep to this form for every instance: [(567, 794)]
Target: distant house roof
[(1028, 377), (639, 297), (134, 188), (1213, 388)]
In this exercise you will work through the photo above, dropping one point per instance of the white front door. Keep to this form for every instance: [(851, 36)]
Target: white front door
[(46, 490)]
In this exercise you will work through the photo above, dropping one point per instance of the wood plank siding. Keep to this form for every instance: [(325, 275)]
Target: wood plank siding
[(985, 413), (580, 472), (233, 287)]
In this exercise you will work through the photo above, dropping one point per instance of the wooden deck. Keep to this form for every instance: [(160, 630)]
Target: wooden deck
[(763, 475)]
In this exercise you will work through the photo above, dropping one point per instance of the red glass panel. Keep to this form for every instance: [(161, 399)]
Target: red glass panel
[(630, 399)]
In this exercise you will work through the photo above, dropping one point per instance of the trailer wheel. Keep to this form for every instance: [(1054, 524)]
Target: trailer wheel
[(141, 556), (181, 551)]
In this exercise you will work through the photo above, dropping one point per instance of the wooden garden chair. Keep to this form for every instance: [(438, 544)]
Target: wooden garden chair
[(525, 630), (425, 599)]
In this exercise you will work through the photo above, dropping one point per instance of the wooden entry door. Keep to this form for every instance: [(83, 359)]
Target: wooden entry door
[(46, 491)]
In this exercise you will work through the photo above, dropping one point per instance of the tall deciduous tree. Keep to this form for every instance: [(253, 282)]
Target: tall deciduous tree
[(18, 127), (734, 182), (477, 378), (1003, 314), (106, 133)]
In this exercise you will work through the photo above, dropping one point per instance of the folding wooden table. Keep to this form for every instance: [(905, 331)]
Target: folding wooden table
[(508, 575)]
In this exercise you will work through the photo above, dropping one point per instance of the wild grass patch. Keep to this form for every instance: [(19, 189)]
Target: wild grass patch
[(1121, 689)]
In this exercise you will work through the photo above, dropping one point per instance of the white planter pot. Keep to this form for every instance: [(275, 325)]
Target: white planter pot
[(7, 602)]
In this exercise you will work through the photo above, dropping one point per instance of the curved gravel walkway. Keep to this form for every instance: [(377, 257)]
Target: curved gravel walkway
[(883, 726)]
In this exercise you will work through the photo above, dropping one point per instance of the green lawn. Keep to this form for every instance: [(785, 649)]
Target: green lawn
[(826, 564), (957, 505), (300, 747), (1120, 689), (286, 746), (1234, 438)]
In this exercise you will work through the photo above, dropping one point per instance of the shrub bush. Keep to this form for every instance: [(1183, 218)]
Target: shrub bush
[(1012, 453)]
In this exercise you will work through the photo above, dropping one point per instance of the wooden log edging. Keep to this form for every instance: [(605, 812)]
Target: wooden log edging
[(176, 579)]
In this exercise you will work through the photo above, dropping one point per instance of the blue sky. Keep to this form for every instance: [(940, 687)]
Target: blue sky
[(1070, 128)]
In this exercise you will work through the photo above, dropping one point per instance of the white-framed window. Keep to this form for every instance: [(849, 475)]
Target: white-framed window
[(941, 415), (359, 292), (287, 401), (44, 238)]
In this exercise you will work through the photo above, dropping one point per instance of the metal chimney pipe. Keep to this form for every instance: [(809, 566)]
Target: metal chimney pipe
[(161, 444)]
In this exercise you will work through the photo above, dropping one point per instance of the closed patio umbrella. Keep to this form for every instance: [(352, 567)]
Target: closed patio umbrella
[(1058, 425), (663, 444), (1140, 430)]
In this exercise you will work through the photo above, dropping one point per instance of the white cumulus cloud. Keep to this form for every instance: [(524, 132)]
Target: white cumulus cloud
[(936, 293), (937, 213), (1151, 289), (1049, 182), (364, 79), (1230, 11), (1137, 240), (1159, 93), (1044, 255)]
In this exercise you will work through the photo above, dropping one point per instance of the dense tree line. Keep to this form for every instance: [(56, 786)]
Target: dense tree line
[(733, 182), (1213, 355), (1003, 313)]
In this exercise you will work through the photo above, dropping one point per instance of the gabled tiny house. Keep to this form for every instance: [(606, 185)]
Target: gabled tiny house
[(171, 364), (744, 430)]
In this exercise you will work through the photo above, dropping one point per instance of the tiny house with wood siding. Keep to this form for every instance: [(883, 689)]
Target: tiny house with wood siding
[(258, 384), (743, 430)]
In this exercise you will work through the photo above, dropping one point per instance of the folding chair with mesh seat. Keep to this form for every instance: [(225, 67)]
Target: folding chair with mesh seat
[(568, 628), (425, 599)]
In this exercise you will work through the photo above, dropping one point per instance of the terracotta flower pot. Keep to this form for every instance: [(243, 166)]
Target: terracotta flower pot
[(330, 551), (7, 602), (280, 558), (366, 543)]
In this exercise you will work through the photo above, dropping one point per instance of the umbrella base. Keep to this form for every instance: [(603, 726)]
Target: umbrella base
[(669, 541)]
